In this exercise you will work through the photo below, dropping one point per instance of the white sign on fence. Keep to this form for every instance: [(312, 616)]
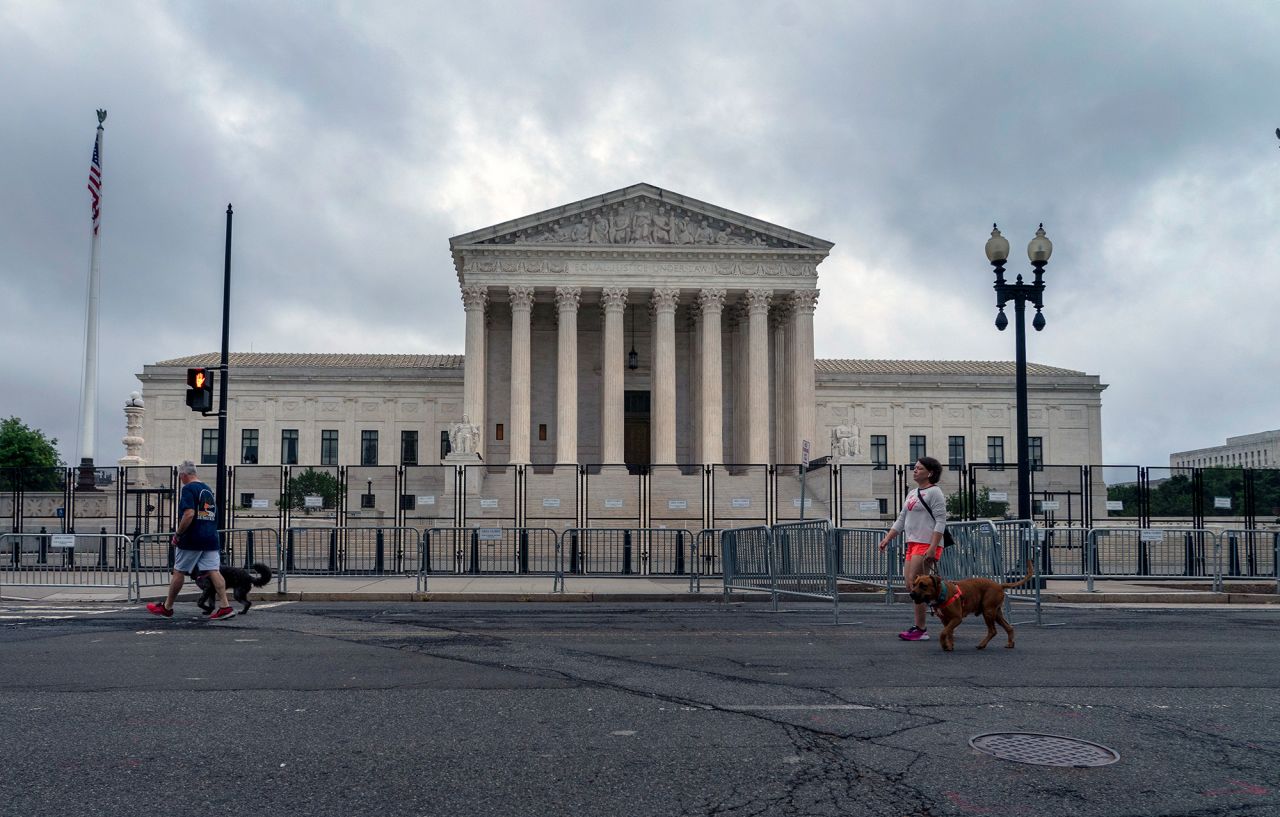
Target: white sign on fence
[(489, 534), (740, 502), (427, 500), (804, 454), (678, 504), (1115, 505), (1049, 505), (259, 504), (1149, 535), (313, 502), (551, 502), (808, 503), (613, 503), (62, 540), (488, 503), (868, 506), (998, 496), (1222, 502)]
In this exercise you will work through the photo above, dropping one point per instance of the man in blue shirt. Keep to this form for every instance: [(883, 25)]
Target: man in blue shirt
[(196, 543)]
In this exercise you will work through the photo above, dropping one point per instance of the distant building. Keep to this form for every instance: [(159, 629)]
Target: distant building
[(1260, 450)]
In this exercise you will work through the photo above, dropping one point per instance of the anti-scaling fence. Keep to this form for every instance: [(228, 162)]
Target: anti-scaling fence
[(490, 551), (139, 500)]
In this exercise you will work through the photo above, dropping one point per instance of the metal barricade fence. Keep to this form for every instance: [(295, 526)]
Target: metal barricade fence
[(794, 560), (67, 560), (858, 558), (706, 554), (489, 551), (349, 552), (241, 547), (1144, 553), (1251, 554), (1000, 552), (623, 552), (152, 560)]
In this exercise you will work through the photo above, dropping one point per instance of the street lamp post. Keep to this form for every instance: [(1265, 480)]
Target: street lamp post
[(1038, 251)]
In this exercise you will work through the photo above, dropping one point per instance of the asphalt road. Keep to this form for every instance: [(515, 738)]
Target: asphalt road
[(550, 709)]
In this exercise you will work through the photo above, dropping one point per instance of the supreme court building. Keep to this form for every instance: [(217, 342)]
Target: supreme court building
[(639, 327)]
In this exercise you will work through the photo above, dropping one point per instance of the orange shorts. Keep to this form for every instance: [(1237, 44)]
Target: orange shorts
[(915, 549)]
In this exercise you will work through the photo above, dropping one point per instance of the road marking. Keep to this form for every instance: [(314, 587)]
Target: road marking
[(789, 707), (270, 604)]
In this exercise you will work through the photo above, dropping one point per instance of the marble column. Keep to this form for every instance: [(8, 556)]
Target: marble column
[(804, 407), (613, 302), (711, 400), (663, 444), (738, 382), (695, 377), (521, 380), (474, 300), (780, 323), (758, 377), (567, 375)]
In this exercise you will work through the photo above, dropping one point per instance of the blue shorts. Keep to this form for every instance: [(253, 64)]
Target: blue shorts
[(186, 561)]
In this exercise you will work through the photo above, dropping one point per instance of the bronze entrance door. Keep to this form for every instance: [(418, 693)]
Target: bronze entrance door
[(635, 429)]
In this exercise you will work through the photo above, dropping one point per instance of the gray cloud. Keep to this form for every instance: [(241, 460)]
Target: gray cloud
[(354, 139)]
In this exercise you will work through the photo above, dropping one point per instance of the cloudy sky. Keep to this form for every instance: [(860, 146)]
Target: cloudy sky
[(354, 138)]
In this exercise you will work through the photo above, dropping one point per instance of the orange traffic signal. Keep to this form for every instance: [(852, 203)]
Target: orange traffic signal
[(199, 390)]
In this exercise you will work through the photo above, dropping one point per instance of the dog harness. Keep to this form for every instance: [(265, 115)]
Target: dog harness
[(942, 594)]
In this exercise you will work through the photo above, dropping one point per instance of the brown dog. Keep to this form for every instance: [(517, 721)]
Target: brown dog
[(951, 601)]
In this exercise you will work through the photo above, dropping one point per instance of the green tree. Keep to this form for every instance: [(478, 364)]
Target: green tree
[(312, 483), (958, 505), (25, 448)]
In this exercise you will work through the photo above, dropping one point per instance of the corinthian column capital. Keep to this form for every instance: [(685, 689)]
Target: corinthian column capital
[(804, 300), (567, 298), (665, 299), (613, 299), (475, 297), (711, 300), (757, 300), (521, 297)]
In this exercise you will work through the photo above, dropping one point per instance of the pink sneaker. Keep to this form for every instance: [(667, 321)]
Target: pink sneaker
[(914, 633)]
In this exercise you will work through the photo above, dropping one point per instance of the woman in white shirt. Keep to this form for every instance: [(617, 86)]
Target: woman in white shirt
[(923, 518)]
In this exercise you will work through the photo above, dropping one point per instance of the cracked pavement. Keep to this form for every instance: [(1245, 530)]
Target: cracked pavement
[(700, 709)]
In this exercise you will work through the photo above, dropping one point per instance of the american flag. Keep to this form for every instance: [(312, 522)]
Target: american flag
[(95, 181)]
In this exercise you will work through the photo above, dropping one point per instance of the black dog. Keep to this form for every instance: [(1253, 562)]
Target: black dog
[(239, 582)]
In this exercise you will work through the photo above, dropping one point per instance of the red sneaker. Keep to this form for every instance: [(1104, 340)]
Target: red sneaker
[(158, 608), (222, 613)]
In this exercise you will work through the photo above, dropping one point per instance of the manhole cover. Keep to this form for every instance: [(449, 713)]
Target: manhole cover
[(1043, 750)]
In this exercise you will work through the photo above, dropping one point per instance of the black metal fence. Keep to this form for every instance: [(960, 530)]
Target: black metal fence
[(142, 500)]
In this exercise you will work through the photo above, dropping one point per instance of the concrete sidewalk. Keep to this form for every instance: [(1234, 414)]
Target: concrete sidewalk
[(626, 590)]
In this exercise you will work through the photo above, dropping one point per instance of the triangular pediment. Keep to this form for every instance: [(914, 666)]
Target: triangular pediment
[(637, 217)]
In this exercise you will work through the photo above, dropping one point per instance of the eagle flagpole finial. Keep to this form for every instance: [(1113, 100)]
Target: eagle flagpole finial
[(102, 116)]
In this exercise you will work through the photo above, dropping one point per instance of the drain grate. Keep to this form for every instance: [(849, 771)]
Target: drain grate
[(1043, 750)]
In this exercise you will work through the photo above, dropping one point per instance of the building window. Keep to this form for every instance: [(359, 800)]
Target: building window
[(955, 453), (995, 452), (249, 446), (1035, 453), (329, 447), (917, 447), (542, 432), (880, 451), (246, 500), (208, 446), (497, 432), (445, 445), (368, 448), (289, 446), (408, 448)]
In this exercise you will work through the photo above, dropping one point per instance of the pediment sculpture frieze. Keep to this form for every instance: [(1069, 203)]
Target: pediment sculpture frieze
[(642, 222)]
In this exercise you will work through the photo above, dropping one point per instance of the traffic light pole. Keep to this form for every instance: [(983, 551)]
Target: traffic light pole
[(222, 382)]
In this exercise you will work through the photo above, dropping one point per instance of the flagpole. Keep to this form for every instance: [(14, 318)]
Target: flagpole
[(89, 394)]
